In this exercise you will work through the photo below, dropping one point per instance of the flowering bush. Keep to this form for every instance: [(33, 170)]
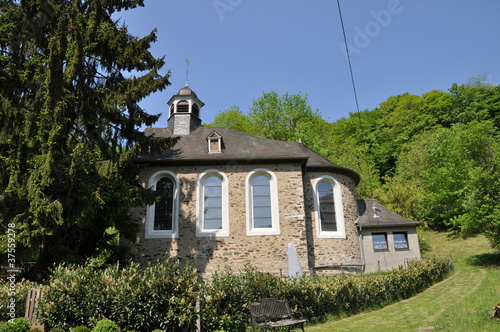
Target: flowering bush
[(18, 294), (159, 296)]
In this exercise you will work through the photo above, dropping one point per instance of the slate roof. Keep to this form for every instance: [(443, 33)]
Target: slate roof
[(373, 214), (239, 148)]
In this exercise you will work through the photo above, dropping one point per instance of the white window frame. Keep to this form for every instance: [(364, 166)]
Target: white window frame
[(150, 232), (275, 217), (386, 241), (339, 209), (405, 234), (224, 231), (218, 149), (214, 137)]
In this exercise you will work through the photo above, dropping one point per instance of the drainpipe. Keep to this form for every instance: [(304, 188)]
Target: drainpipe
[(362, 246)]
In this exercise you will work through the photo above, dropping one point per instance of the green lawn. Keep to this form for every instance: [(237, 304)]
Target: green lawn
[(462, 302)]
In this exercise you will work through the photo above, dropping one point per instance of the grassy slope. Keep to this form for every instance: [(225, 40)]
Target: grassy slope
[(462, 302)]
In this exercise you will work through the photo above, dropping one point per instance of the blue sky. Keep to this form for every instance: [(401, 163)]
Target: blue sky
[(239, 49)]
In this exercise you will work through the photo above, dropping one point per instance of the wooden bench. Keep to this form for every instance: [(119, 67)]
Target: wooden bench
[(268, 314)]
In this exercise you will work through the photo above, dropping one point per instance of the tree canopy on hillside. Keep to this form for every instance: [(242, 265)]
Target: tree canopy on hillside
[(432, 158), (71, 79)]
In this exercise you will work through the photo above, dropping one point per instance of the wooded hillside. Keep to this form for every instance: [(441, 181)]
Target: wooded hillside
[(431, 158)]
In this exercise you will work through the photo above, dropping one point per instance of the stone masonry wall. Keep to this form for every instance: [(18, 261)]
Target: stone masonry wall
[(266, 252), (333, 251)]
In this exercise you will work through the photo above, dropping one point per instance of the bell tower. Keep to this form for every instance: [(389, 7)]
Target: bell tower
[(184, 108)]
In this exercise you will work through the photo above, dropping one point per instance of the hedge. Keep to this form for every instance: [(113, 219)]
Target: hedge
[(163, 296), (225, 298)]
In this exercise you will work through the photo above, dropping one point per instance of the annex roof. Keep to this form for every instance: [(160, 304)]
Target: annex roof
[(373, 214)]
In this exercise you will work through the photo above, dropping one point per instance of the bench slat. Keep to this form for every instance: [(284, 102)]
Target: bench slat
[(31, 305)]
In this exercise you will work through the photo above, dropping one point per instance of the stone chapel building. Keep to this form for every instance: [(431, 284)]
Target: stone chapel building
[(234, 199)]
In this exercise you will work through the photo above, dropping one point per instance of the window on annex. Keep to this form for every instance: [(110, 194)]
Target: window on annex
[(161, 217), (400, 240), (379, 241), (262, 203), (213, 215), (328, 208)]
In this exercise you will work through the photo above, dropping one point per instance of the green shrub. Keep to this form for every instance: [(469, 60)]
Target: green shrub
[(227, 295), (56, 329), (163, 296), (106, 325), (225, 298), (81, 328), (160, 296), (17, 325), (21, 290)]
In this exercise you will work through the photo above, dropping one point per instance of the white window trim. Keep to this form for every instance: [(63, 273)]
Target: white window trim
[(219, 149), (224, 232), (150, 233), (214, 136), (339, 209), (275, 229)]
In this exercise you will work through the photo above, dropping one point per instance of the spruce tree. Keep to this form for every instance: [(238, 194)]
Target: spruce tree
[(71, 77)]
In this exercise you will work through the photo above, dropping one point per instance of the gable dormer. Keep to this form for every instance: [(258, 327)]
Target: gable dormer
[(184, 108), (214, 141)]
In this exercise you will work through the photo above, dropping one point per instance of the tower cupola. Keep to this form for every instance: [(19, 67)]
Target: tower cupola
[(184, 108)]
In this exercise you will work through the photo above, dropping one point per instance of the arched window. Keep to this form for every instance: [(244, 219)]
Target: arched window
[(196, 110), (262, 203), (213, 215), (165, 207), (161, 217), (328, 208), (212, 203), (183, 106)]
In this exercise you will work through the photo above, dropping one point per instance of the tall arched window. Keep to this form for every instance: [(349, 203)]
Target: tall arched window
[(262, 203), (212, 203), (328, 208), (213, 214), (164, 209), (161, 217)]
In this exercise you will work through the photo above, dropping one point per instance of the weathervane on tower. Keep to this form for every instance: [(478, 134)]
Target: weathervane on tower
[(187, 71)]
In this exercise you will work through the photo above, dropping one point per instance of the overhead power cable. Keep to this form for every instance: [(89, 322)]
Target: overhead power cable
[(348, 58)]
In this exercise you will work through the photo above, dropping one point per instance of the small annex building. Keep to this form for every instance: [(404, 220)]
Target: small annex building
[(233, 199), (388, 240)]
